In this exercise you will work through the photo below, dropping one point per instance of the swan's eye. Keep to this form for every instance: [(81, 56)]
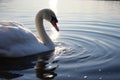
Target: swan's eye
[(53, 18)]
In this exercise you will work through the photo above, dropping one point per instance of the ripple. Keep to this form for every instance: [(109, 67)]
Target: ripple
[(90, 48)]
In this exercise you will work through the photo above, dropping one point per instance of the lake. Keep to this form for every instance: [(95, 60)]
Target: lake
[(87, 45)]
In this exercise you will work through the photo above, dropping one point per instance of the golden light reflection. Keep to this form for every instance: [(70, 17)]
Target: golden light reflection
[(54, 34), (53, 5)]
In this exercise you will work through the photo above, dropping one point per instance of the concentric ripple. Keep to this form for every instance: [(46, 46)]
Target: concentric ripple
[(90, 48)]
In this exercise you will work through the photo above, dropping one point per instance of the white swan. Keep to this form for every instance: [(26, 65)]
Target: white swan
[(18, 41)]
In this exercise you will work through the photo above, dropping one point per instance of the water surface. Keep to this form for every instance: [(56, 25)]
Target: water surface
[(87, 46)]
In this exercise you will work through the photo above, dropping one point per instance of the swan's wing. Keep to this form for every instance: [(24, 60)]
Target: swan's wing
[(14, 33)]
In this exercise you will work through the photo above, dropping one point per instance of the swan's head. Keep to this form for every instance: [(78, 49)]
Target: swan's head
[(50, 16)]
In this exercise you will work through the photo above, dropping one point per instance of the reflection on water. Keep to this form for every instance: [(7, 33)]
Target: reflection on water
[(43, 71), (53, 5), (9, 75), (87, 46), (44, 67)]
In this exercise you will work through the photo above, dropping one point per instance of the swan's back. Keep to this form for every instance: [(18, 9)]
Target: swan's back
[(16, 40), (14, 33)]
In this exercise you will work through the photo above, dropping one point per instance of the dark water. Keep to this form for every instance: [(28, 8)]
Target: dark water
[(87, 46)]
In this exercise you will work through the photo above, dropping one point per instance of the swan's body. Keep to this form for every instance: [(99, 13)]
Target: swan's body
[(17, 41)]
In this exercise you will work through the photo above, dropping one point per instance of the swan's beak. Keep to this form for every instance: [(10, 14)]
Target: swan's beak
[(54, 23)]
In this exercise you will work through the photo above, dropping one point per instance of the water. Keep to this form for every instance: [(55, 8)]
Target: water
[(87, 46)]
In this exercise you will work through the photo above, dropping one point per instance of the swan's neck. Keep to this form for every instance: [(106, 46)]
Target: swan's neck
[(42, 34)]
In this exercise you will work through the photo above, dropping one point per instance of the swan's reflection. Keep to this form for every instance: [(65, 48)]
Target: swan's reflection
[(10, 67), (45, 69)]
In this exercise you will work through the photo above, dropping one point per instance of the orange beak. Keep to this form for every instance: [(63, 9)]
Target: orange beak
[(55, 25)]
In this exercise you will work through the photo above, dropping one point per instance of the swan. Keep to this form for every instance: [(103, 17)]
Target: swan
[(16, 40)]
